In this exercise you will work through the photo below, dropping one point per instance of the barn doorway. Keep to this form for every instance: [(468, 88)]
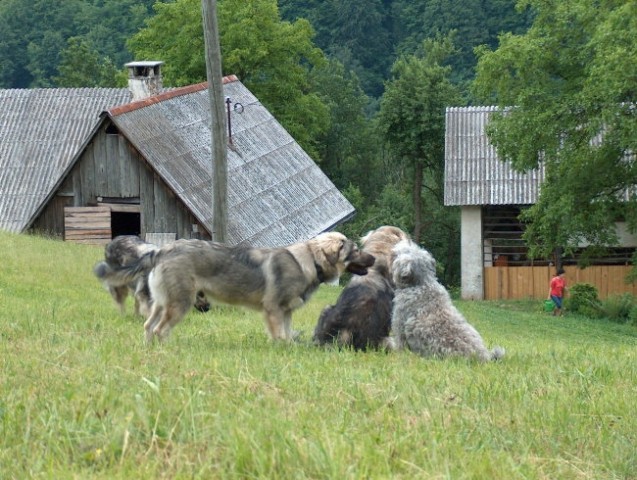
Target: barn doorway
[(125, 223), (126, 216)]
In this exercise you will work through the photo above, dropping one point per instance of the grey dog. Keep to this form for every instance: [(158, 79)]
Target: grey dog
[(273, 280), (123, 251), (361, 317), (424, 318)]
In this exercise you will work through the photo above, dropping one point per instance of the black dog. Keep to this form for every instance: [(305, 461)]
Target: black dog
[(361, 318)]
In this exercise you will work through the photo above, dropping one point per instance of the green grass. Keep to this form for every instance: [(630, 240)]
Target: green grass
[(81, 396)]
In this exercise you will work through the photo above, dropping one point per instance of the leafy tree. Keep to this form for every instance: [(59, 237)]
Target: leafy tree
[(475, 22), (357, 34), (349, 148), (81, 66), (272, 58), (412, 117), (570, 81), (33, 34)]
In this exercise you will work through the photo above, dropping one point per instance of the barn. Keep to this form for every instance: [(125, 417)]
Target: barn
[(490, 195), (93, 164)]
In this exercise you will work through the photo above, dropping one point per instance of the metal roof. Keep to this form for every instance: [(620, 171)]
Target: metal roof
[(276, 193), (40, 132), (474, 175)]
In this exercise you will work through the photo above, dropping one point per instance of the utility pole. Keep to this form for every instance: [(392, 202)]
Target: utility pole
[(219, 149)]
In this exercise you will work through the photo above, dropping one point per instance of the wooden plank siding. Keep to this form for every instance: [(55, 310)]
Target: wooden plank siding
[(91, 225), (533, 282), (111, 170)]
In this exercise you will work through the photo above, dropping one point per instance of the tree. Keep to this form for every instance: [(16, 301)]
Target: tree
[(271, 57), (357, 34), (349, 148), (412, 116), (475, 22), (33, 34), (569, 88), (81, 66)]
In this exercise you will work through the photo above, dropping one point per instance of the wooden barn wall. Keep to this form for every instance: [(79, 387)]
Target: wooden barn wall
[(51, 220), (111, 168), (510, 283)]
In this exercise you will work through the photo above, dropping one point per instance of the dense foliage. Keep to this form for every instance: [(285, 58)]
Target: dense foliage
[(34, 36), (368, 36)]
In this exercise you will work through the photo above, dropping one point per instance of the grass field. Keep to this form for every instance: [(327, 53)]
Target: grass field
[(81, 396)]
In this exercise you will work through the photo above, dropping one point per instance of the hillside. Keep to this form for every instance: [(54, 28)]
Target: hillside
[(83, 397)]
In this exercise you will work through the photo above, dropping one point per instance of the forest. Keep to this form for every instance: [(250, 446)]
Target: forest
[(363, 86)]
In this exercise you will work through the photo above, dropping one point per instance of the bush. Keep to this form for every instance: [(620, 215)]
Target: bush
[(618, 308), (632, 315), (584, 300)]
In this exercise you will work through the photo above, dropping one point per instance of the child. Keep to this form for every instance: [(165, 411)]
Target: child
[(557, 290)]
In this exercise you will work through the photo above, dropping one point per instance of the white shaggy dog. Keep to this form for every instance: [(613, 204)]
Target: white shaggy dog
[(424, 318)]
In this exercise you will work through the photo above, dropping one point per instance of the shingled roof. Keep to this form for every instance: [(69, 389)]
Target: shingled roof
[(40, 132), (474, 175), (276, 193)]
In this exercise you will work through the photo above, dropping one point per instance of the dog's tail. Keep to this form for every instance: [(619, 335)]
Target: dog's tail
[(497, 353), (116, 275)]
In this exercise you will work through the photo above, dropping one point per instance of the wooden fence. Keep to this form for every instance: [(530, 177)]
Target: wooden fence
[(533, 282)]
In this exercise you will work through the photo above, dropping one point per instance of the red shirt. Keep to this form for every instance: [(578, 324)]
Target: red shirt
[(557, 286)]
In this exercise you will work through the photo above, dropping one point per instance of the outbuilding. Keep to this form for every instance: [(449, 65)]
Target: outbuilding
[(144, 166), (491, 195)]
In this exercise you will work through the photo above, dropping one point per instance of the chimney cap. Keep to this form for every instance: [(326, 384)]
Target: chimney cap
[(144, 63)]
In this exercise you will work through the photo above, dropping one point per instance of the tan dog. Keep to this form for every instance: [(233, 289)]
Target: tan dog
[(273, 280)]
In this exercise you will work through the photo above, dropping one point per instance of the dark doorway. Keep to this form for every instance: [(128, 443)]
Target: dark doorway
[(125, 223)]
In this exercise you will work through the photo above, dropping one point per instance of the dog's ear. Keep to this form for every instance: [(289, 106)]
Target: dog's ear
[(403, 273), (333, 251), (366, 236)]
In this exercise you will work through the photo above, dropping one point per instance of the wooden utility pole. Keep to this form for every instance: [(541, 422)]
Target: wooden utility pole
[(219, 148)]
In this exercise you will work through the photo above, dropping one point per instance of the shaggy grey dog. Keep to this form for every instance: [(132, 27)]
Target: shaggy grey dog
[(424, 319), (361, 317)]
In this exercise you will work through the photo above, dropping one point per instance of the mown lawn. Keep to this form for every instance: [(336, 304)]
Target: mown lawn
[(81, 396)]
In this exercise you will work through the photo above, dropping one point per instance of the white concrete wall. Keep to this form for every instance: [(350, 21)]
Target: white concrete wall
[(471, 260)]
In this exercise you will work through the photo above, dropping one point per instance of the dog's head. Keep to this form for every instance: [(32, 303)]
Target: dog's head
[(412, 265), (380, 243), (342, 254)]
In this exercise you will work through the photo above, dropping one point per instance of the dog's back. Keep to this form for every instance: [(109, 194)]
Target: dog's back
[(126, 249)]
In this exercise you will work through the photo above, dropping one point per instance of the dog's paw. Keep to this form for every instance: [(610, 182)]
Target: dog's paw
[(497, 353), (388, 344)]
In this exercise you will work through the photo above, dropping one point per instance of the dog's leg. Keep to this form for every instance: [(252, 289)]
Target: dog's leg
[(155, 314), (344, 338), (120, 294), (287, 326), (143, 303), (276, 325), (172, 315)]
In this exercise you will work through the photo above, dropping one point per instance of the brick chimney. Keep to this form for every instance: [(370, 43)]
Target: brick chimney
[(144, 79)]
